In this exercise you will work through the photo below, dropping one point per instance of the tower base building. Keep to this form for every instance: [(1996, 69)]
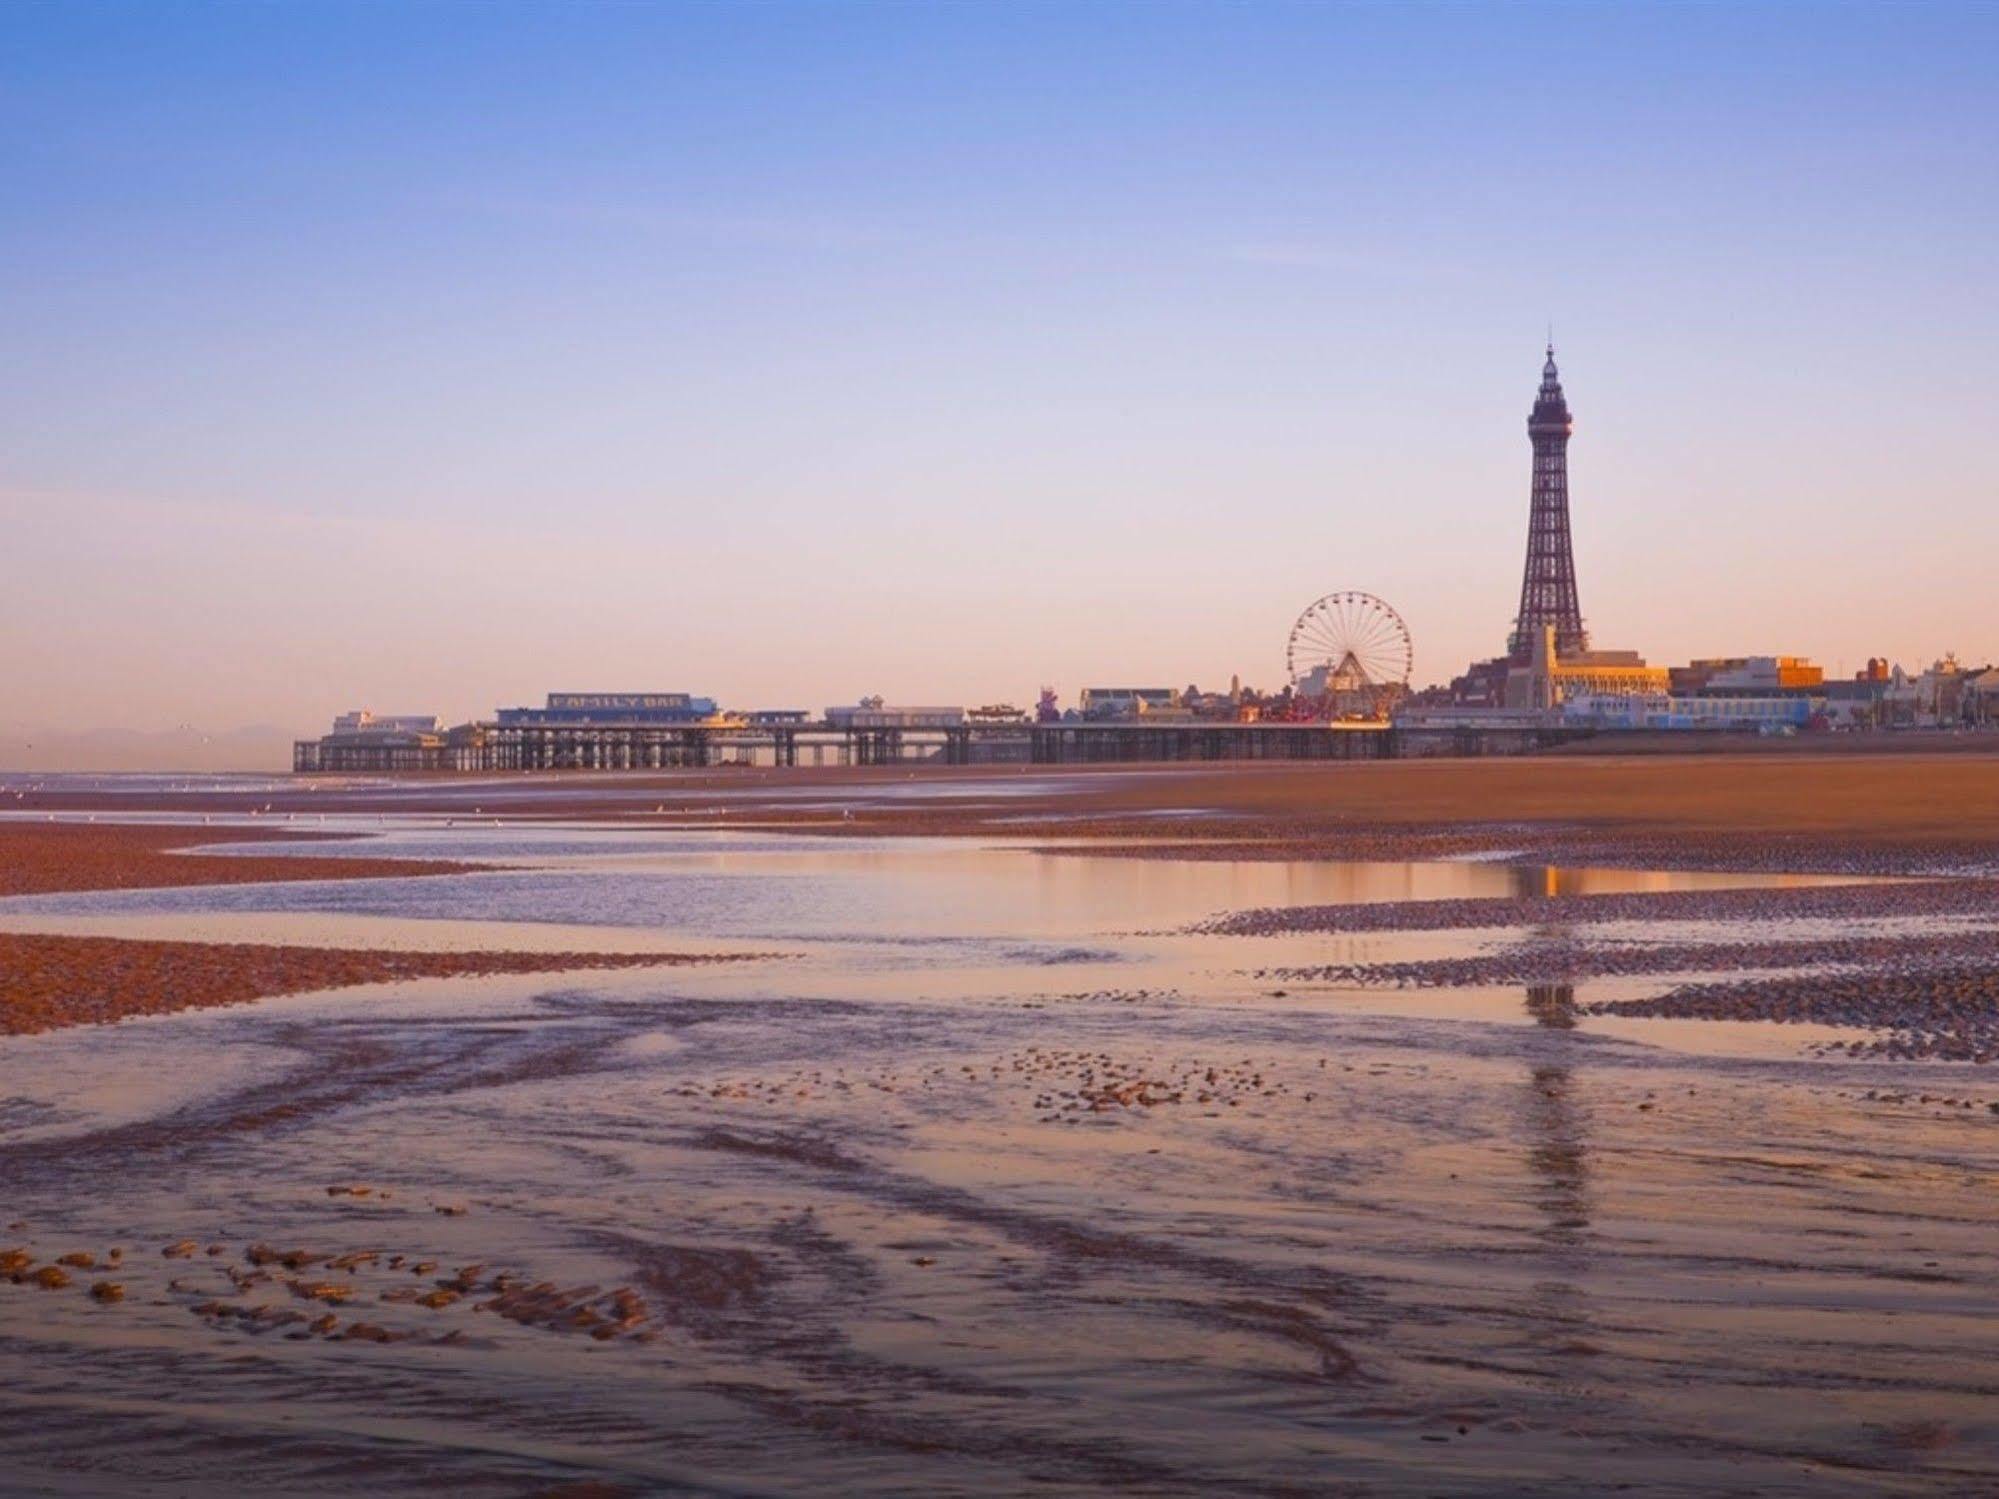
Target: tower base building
[(1550, 679)]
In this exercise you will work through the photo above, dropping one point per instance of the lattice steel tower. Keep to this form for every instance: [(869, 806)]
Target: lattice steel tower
[(1548, 589)]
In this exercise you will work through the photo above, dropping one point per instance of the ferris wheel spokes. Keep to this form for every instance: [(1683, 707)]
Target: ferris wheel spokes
[(1349, 655)]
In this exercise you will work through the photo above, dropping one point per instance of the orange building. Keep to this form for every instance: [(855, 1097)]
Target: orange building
[(1747, 674)]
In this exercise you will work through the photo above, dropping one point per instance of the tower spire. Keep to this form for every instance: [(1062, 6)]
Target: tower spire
[(1548, 595)]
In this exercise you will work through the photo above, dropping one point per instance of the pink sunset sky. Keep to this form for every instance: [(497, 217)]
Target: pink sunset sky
[(431, 358)]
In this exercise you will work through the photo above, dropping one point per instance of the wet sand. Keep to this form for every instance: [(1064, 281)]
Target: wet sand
[(1934, 1006), (47, 982), (1912, 898), (1857, 799), (52, 981), (1916, 961), (40, 858), (1035, 1173), (689, 1243)]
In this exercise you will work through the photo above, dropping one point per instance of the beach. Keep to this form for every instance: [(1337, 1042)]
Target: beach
[(1177, 1132)]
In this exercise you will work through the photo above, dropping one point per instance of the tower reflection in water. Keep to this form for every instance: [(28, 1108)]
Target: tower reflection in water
[(1545, 881), (1558, 1150), (1555, 1131)]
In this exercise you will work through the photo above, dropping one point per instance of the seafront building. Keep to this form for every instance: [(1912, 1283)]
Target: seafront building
[(1547, 680), (1129, 702), (1747, 674), (361, 721), (593, 731), (367, 742), (570, 709), (1663, 711), (874, 713)]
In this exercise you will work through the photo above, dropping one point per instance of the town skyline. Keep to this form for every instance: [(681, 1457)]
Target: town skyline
[(189, 746)]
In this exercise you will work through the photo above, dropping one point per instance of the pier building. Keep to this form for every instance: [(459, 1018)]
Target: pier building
[(1129, 702), (580, 708)]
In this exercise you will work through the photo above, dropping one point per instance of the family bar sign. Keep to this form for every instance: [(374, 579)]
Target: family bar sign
[(618, 702)]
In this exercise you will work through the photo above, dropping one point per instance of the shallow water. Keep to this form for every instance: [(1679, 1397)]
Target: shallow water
[(700, 883), (1447, 1241)]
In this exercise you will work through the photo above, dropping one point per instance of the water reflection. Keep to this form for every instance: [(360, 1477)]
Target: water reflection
[(1558, 1148), (774, 887), (1556, 1125), (1531, 883), (1553, 1006)]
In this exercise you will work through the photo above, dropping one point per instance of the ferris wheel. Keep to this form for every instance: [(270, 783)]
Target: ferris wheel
[(1350, 642)]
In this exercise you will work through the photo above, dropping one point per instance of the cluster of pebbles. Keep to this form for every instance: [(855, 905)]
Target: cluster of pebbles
[(1558, 962), (1929, 996), (1760, 853), (1540, 844), (1058, 1085), (1926, 1100), (1873, 900), (20, 1266), (1101, 997), (1928, 1010), (359, 1295), (1071, 1086)]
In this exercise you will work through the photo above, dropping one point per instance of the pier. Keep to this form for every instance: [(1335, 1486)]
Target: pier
[(486, 747)]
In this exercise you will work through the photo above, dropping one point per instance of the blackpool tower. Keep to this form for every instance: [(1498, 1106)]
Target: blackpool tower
[(1548, 588)]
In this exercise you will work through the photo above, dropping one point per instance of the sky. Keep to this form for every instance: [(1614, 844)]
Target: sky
[(431, 357)]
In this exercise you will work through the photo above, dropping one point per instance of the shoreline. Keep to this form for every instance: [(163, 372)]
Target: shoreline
[(1915, 801)]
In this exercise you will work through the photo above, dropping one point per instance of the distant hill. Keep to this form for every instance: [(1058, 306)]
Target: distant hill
[(253, 747)]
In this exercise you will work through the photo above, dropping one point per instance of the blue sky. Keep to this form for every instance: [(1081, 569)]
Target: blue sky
[(433, 356)]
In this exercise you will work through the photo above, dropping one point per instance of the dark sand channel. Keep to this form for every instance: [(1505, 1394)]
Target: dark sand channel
[(999, 1181)]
